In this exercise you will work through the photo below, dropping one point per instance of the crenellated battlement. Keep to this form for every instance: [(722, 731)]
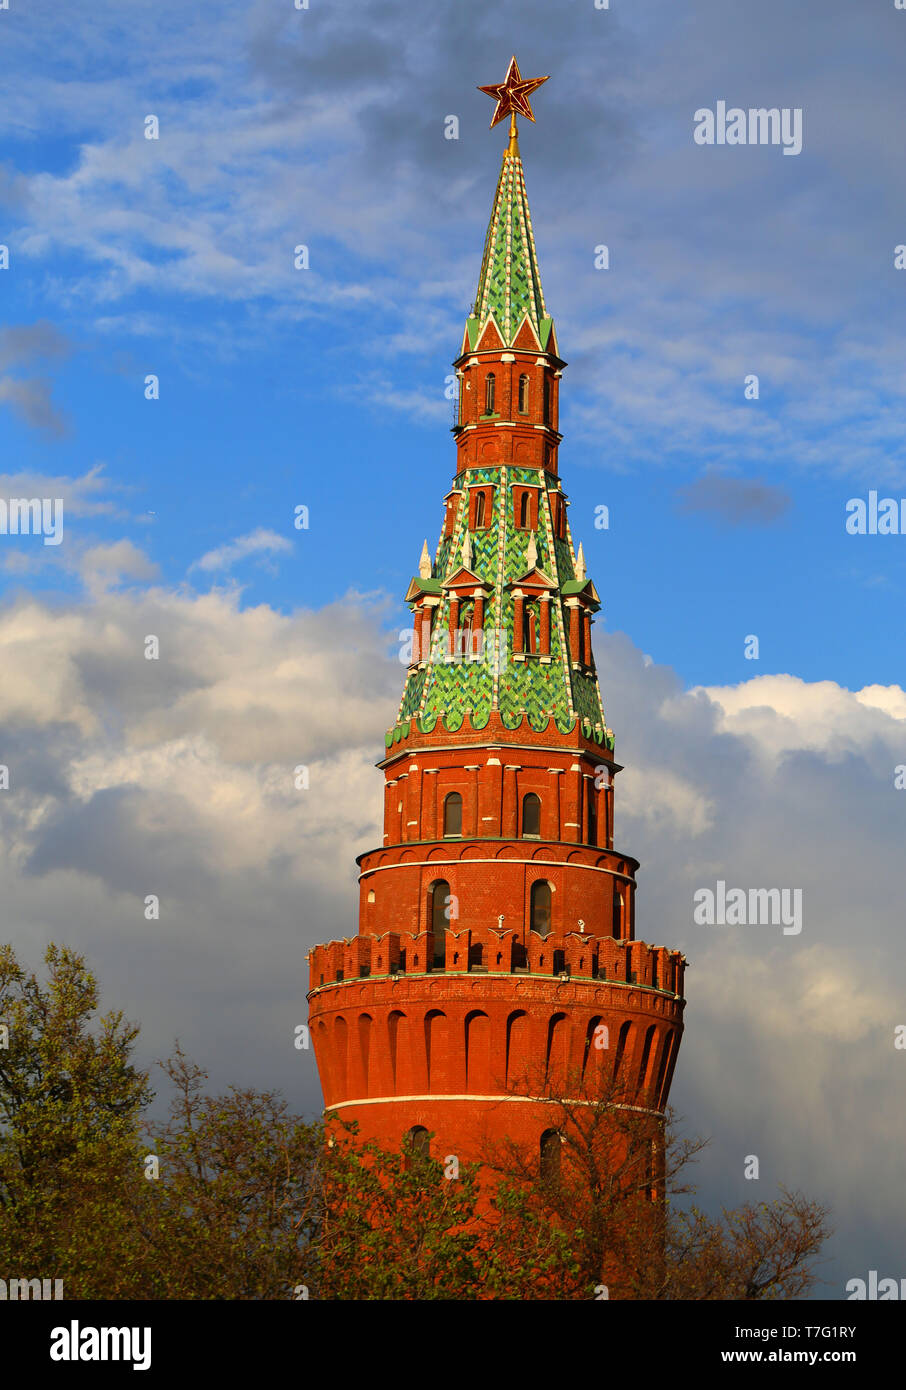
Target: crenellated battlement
[(397, 1035), (494, 952)]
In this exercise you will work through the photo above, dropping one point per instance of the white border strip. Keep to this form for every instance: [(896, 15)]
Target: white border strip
[(532, 1100), (543, 863)]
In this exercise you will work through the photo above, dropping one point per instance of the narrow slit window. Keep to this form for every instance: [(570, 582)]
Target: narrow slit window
[(550, 1154), (531, 815), (541, 908), (453, 814), (440, 922)]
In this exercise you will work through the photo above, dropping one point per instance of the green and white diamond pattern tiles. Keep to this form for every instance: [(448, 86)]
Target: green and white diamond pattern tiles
[(509, 286), (532, 689)]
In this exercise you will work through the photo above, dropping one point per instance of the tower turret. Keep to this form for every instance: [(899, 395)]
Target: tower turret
[(497, 920)]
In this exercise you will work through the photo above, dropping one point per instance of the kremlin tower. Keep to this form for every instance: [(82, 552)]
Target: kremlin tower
[(496, 940)]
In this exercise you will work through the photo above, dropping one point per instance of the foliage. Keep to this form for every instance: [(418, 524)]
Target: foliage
[(235, 1197)]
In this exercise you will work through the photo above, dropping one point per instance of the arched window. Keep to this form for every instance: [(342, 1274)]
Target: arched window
[(523, 395), (531, 814), (453, 814), (646, 1053), (440, 919), (479, 510), (550, 1154), (547, 399), (617, 922), (622, 1041), (592, 816), (529, 628), (489, 386), (524, 512), (541, 907), (417, 1141)]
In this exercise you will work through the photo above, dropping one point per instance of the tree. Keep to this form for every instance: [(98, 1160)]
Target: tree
[(763, 1250), (70, 1113), (236, 1210), (255, 1203), (604, 1214), (396, 1225), (246, 1200)]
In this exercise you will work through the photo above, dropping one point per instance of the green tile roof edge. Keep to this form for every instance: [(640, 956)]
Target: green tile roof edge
[(436, 723)]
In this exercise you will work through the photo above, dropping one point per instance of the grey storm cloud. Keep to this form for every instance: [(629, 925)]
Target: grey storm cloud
[(176, 778), (735, 501)]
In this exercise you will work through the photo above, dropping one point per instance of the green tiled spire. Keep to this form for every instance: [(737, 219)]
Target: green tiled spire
[(509, 286), (444, 688)]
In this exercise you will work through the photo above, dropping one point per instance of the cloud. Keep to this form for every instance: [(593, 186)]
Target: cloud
[(108, 564), (88, 495), (21, 345), (257, 542), (735, 501), (91, 497), (176, 776), (31, 400), (302, 135)]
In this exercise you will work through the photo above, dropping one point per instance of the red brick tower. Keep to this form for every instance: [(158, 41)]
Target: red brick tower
[(497, 921)]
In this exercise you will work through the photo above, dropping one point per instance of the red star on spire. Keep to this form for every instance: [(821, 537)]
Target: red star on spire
[(512, 94)]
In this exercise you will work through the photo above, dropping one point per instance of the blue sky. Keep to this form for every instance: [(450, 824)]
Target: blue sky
[(325, 388)]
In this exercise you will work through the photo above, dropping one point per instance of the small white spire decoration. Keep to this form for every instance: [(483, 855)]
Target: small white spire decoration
[(581, 572), (531, 554), (424, 564), (467, 552)]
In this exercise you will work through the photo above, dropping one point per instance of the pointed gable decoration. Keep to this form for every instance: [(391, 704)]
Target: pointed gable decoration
[(582, 588), (419, 586), (465, 579), (581, 572), (467, 552), (491, 340), (424, 564), (526, 339), (534, 581)]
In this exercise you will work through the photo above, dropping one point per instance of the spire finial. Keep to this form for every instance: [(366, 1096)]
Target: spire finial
[(424, 563), (581, 572), (511, 97)]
